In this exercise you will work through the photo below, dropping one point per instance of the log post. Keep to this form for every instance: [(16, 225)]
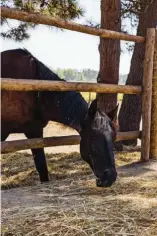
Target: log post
[(147, 94), (153, 138)]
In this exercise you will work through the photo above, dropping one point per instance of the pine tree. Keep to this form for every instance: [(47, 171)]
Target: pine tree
[(109, 52), (145, 11), (64, 9)]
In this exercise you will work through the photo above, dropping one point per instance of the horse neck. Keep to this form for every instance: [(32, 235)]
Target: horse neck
[(67, 108)]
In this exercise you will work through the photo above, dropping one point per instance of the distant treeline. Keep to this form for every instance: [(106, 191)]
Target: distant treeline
[(83, 75)]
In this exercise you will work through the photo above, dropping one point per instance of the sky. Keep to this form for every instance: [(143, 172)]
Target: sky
[(67, 49)]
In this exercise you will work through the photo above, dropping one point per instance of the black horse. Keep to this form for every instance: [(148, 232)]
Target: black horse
[(29, 112)]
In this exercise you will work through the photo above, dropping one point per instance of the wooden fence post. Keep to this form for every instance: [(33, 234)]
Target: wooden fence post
[(147, 94), (153, 138)]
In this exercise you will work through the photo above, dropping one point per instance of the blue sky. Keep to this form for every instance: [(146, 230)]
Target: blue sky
[(67, 49)]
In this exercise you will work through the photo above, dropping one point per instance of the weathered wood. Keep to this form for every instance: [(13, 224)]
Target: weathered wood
[(121, 136), (46, 85), (153, 136), (147, 94), (64, 24), (12, 146)]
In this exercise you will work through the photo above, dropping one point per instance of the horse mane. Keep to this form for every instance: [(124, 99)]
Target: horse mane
[(71, 103)]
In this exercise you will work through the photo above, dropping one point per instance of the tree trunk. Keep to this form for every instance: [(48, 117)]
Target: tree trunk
[(109, 52), (130, 112)]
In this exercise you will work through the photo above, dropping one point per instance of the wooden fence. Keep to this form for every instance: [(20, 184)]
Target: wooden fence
[(64, 24), (148, 122), (12, 146), (46, 85)]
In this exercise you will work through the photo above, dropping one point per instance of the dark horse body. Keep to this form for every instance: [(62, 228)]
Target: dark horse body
[(29, 112)]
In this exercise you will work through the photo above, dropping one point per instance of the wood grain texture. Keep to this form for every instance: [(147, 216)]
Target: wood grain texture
[(147, 94), (153, 136), (13, 146), (46, 85), (64, 24)]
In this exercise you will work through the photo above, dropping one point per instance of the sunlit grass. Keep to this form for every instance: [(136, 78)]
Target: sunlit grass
[(18, 168), (91, 96)]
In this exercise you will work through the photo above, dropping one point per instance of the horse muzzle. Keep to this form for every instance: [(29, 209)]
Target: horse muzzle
[(108, 178)]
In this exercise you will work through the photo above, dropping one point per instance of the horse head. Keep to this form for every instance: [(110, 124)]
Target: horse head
[(97, 137)]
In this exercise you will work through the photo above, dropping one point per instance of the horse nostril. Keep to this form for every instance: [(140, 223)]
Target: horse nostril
[(105, 183), (108, 178), (110, 173)]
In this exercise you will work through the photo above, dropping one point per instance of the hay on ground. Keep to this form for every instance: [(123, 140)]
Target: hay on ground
[(71, 204)]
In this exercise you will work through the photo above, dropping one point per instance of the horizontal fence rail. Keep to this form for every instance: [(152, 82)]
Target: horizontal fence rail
[(12, 13), (17, 145), (46, 85)]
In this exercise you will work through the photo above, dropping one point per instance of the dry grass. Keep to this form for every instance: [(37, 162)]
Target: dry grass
[(91, 96), (71, 204), (18, 168)]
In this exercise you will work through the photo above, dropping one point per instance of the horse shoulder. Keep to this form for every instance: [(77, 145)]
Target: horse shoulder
[(17, 106)]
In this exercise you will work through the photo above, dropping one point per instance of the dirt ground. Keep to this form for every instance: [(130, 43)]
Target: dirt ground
[(70, 204)]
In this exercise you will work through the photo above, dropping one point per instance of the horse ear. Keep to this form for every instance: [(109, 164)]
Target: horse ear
[(93, 108), (113, 113)]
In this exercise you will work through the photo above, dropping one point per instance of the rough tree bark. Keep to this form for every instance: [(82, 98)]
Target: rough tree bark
[(153, 137), (130, 112), (109, 52)]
